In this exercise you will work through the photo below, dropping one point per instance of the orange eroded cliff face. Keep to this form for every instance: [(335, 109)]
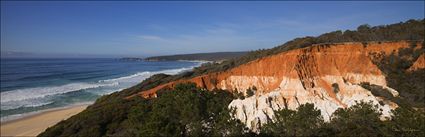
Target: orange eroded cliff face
[(327, 75), (306, 64)]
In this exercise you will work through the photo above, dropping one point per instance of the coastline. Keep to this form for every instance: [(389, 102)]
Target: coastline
[(33, 125)]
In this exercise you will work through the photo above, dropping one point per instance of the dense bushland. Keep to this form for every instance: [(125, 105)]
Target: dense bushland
[(183, 111), (190, 111), (410, 84), (362, 119)]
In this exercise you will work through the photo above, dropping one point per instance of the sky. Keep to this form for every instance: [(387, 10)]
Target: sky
[(111, 28)]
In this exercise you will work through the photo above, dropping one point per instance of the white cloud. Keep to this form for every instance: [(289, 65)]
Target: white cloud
[(150, 37), (208, 39), (230, 36)]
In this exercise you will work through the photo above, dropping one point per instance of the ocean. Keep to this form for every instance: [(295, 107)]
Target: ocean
[(32, 85)]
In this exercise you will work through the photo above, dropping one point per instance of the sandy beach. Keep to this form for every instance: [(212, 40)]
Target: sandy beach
[(35, 124)]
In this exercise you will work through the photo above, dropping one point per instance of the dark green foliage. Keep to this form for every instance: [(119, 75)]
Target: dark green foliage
[(408, 122), (184, 111), (105, 117), (190, 111), (187, 111), (409, 84), (227, 125), (361, 119), (250, 92), (377, 90), (239, 95), (304, 122)]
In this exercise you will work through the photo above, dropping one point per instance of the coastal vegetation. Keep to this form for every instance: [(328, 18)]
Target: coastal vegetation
[(188, 110), (183, 111), (410, 84)]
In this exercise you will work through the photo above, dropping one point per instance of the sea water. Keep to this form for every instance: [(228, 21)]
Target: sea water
[(33, 85)]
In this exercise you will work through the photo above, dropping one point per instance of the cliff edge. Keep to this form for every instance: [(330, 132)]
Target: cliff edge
[(328, 75)]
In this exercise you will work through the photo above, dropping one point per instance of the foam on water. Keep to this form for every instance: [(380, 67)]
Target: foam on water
[(25, 103), (143, 75), (40, 92)]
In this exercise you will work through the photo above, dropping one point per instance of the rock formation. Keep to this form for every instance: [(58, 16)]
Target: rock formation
[(328, 75)]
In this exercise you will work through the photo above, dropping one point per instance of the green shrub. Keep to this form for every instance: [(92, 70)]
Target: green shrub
[(185, 110), (250, 92), (304, 122)]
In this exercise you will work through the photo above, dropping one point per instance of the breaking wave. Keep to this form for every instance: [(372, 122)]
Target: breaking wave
[(40, 92), (40, 96)]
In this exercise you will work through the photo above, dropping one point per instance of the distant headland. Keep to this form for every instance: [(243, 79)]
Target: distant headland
[(213, 56)]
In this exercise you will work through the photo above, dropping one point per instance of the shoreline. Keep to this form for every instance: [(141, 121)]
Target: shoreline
[(16, 117), (34, 124)]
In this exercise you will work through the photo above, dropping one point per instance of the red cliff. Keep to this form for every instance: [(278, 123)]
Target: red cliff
[(304, 64), (327, 75)]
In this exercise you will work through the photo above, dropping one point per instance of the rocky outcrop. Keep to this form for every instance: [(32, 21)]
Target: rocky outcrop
[(327, 75)]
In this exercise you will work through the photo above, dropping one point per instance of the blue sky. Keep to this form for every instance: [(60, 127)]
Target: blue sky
[(158, 28)]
